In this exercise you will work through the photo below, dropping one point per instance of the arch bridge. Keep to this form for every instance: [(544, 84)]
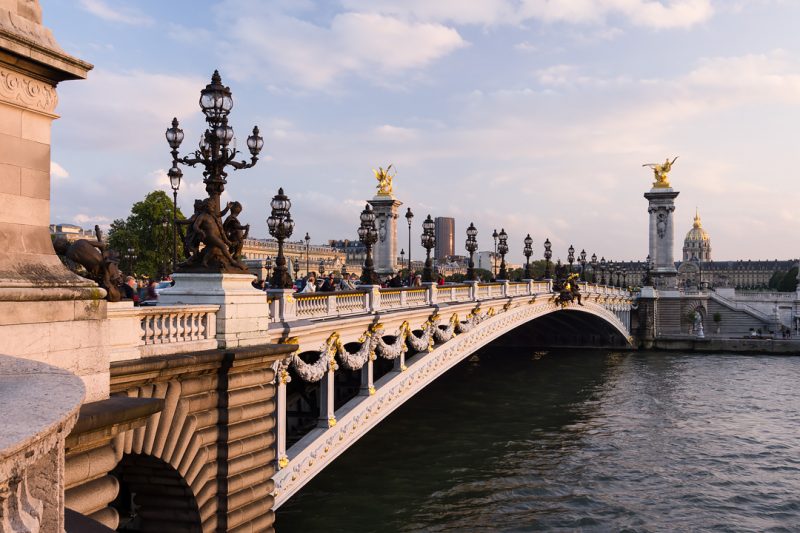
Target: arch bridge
[(362, 355)]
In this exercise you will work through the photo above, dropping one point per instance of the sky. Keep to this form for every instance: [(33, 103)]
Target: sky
[(530, 115)]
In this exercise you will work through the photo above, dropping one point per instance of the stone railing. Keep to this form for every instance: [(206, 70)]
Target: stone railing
[(138, 332), (38, 407), (286, 306)]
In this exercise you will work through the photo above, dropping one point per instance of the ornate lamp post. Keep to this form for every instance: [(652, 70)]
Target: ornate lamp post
[(280, 226), (308, 240), (571, 256), (175, 176), (409, 218), (296, 270), (548, 253), (368, 236), (502, 248), (402, 258), (471, 246), (130, 257), (603, 270), (214, 153), (593, 262), (582, 261), (268, 265), (494, 258), (428, 242), (527, 251), (321, 267)]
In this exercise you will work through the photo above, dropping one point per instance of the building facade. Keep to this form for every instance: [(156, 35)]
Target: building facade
[(445, 233)]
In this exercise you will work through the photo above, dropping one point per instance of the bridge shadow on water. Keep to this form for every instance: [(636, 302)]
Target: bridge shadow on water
[(466, 429)]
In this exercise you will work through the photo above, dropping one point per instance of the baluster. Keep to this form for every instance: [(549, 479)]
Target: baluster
[(158, 329)]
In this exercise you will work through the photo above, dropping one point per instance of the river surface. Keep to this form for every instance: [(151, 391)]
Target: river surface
[(575, 441)]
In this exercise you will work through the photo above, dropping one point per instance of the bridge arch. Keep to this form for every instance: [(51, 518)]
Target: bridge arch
[(461, 339)]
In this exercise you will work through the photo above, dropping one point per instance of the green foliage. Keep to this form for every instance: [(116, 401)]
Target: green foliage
[(789, 281), (717, 317), (147, 231), (775, 280)]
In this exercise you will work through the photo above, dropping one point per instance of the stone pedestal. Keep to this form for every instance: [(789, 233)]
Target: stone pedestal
[(385, 250), (243, 316), (662, 236), (47, 313)]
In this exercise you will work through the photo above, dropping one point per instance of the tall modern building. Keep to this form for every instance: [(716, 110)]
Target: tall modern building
[(445, 238)]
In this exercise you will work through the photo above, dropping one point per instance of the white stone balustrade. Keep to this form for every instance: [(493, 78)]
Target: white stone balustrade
[(138, 332)]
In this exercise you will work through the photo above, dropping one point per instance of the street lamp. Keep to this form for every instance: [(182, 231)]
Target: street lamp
[(527, 251), (162, 267), (321, 267), (402, 258), (130, 256), (428, 242), (175, 176), (570, 256), (471, 246), (603, 270), (594, 268), (308, 240), (503, 249), (494, 258), (296, 270), (409, 217), (548, 253), (215, 152), (268, 265), (624, 275), (368, 236), (582, 259), (280, 226)]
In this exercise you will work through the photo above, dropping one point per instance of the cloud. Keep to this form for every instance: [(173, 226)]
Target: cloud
[(276, 46), (395, 133), (118, 12), (57, 171), (82, 219), (660, 14)]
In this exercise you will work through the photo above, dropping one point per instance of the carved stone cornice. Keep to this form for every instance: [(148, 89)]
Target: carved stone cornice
[(23, 91)]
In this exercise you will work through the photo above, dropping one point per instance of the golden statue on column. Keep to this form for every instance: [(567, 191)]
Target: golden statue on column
[(384, 180), (660, 171)]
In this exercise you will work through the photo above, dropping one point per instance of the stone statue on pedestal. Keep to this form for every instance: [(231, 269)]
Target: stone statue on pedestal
[(99, 264)]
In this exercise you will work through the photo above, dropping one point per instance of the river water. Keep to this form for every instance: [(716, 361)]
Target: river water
[(575, 441)]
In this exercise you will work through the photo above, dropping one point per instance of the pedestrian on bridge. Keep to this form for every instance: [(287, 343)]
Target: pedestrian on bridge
[(310, 283)]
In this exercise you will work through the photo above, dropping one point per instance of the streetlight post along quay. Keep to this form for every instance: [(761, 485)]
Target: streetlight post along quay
[(571, 257), (175, 174), (308, 240), (409, 218), (215, 153), (582, 259), (502, 247), (527, 251), (548, 254), (268, 265), (368, 236), (280, 225), (494, 258), (402, 258), (603, 270), (428, 242), (471, 246)]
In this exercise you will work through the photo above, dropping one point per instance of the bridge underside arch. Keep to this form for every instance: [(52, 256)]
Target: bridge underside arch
[(565, 328)]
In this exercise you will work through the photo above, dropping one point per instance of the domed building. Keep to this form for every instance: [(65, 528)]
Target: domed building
[(697, 244)]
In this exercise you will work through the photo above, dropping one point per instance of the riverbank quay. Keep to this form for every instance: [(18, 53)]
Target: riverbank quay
[(718, 345)]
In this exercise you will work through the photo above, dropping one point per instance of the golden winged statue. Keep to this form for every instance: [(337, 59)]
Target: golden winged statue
[(384, 180), (660, 171)]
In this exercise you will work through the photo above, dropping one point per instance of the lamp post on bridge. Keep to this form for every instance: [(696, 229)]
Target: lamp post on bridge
[(268, 265), (428, 242), (214, 154), (571, 257), (503, 249), (527, 251), (368, 236), (494, 257), (471, 246), (603, 270), (548, 253), (582, 260), (594, 268), (402, 258), (409, 218), (322, 267), (280, 225), (296, 269), (175, 174), (308, 240)]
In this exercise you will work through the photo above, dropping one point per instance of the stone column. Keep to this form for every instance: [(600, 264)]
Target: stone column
[(662, 236), (47, 313), (385, 250)]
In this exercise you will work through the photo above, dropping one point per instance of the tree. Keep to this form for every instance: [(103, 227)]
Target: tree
[(148, 232), (789, 281), (775, 280)]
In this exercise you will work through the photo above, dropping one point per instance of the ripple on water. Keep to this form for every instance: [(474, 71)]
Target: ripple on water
[(576, 441)]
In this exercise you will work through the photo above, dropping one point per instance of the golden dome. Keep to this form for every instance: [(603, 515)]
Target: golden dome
[(697, 233)]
